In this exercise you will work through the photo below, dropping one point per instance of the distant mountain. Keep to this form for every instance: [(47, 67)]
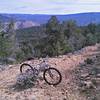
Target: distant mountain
[(4, 18), (81, 18)]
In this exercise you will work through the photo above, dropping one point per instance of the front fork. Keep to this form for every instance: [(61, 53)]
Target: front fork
[(50, 73)]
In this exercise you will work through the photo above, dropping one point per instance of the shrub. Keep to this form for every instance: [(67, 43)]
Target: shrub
[(90, 39), (89, 61), (27, 79)]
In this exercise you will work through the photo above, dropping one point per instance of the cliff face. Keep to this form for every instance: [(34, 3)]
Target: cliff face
[(70, 67)]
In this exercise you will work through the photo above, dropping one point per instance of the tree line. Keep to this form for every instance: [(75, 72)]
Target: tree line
[(66, 37)]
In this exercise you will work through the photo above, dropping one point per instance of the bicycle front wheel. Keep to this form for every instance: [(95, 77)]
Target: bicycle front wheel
[(52, 76)]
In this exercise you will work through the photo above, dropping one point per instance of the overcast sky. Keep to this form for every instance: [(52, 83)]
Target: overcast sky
[(49, 6)]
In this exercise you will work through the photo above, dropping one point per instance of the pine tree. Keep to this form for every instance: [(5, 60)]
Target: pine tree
[(12, 39)]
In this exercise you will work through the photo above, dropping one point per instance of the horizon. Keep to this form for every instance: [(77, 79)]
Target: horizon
[(50, 14), (49, 7)]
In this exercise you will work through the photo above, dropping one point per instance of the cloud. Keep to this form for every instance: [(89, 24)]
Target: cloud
[(49, 6)]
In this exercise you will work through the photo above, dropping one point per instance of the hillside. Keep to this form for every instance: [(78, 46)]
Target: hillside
[(81, 18), (68, 89), (32, 33)]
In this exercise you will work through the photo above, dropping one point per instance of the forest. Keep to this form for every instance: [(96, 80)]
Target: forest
[(53, 39)]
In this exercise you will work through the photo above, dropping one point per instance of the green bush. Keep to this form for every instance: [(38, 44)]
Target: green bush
[(90, 39)]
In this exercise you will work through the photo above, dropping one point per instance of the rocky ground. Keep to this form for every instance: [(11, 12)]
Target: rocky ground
[(81, 80)]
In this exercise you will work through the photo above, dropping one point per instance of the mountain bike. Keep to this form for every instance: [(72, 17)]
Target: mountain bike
[(51, 75)]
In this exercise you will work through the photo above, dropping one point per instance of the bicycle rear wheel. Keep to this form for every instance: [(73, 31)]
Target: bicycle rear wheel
[(52, 76), (25, 67)]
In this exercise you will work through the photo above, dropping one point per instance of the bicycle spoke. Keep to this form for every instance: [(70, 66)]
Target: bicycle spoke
[(52, 76), (26, 68)]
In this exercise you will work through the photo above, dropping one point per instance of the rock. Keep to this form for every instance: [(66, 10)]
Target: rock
[(11, 60), (97, 80), (85, 75), (98, 75), (82, 64), (89, 84), (2, 67)]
